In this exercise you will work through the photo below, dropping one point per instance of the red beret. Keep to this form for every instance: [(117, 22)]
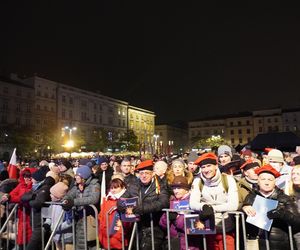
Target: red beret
[(207, 158), (249, 164), (145, 165), (267, 169), (267, 150)]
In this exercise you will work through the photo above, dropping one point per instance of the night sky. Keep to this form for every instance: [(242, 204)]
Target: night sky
[(182, 61)]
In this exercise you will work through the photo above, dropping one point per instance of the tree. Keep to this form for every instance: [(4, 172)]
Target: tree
[(129, 141), (208, 142)]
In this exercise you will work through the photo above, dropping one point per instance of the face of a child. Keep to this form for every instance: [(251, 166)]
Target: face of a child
[(179, 192), (116, 190)]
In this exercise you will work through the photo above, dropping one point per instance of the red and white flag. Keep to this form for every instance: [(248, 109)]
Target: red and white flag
[(12, 166)]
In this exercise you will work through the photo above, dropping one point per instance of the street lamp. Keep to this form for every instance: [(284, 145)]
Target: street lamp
[(155, 142)]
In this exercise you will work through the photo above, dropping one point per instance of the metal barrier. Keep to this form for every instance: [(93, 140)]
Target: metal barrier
[(239, 216)]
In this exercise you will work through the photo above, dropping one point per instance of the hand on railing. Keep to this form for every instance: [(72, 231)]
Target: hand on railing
[(206, 213), (67, 204)]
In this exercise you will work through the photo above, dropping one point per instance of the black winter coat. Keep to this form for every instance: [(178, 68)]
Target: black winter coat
[(278, 235)]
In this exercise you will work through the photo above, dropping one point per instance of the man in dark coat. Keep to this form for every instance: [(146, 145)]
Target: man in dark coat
[(153, 197)]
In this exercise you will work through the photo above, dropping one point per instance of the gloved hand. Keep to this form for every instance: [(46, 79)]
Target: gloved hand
[(275, 214), (47, 227), (138, 210), (172, 216), (28, 196), (67, 204), (206, 213)]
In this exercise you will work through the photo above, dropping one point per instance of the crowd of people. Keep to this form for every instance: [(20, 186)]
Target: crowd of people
[(211, 183)]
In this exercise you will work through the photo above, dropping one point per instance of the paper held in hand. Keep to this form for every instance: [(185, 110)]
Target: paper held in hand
[(262, 206)]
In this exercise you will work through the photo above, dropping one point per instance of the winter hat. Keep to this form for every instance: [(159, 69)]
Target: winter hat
[(207, 158), (59, 190), (192, 157), (247, 152), (43, 163), (83, 161), (84, 172), (54, 167), (101, 160), (224, 149), (118, 176), (66, 163), (180, 182), (267, 169), (53, 175), (145, 165), (275, 155), (40, 174)]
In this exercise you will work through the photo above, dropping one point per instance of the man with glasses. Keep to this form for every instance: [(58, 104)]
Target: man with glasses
[(153, 197)]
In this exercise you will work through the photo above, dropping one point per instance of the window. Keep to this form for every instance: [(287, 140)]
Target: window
[(95, 105), (95, 118), (119, 122), (232, 140), (70, 114), (100, 119), (123, 123), (240, 140), (239, 123), (239, 131), (248, 130), (248, 139), (63, 98), (18, 108), (110, 120), (260, 129), (18, 122), (287, 128), (275, 120), (63, 113), (269, 120), (83, 104), (71, 100), (248, 122), (232, 132), (100, 107), (4, 119), (259, 121), (231, 123)]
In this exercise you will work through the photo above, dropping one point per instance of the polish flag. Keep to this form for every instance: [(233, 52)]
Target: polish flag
[(12, 166)]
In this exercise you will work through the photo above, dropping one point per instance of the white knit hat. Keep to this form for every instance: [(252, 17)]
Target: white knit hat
[(275, 155)]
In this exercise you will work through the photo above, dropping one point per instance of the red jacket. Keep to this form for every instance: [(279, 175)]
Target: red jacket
[(116, 236), (15, 197)]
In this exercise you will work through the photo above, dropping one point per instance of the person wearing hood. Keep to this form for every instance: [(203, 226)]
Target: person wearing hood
[(85, 192), (25, 185)]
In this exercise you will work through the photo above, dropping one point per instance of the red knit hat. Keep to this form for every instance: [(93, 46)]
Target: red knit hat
[(207, 158), (145, 165), (267, 169)]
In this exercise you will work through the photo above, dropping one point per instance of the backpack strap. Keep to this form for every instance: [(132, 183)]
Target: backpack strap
[(223, 179)]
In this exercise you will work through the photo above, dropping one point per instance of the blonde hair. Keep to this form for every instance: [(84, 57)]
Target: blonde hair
[(290, 187)]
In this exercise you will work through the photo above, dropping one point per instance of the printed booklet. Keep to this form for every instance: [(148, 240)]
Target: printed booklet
[(130, 204), (195, 226)]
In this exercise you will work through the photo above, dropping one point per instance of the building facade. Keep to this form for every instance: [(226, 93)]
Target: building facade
[(41, 103), (241, 128)]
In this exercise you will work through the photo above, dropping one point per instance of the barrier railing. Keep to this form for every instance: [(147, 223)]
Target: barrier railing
[(239, 217)]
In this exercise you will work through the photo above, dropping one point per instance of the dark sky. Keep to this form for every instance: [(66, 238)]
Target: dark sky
[(182, 61)]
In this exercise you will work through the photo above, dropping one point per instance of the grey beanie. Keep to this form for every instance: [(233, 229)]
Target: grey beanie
[(192, 157), (224, 149)]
